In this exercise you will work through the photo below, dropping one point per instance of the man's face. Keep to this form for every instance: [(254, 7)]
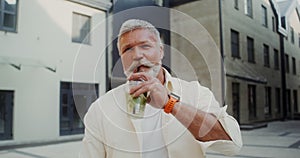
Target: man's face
[(140, 52)]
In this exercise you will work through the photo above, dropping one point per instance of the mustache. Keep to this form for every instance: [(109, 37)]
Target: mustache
[(135, 64)]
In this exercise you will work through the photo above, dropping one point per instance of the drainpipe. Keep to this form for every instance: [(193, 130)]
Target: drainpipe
[(108, 81), (283, 78), (222, 54)]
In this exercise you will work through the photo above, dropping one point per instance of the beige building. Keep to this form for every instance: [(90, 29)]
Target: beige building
[(248, 34), (52, 56)]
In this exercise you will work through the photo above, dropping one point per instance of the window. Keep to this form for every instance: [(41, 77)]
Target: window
[(268, 110), (236, 100), (252, 101), (264, 16), (288, 102), (287, 63), (8, 15), (278, 100), (248, 8), (295, 96), (235, 47), (292, 35), (276, 59), (250, 49), (81, 28), (236, 4), (299, 40), (294, 66), (274, 25), (266, 56), (75, 99), (6, 114)]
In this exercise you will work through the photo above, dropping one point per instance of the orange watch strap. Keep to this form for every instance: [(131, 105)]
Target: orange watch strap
[(170, 104)]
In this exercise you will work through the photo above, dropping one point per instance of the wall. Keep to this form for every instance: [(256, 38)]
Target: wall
[(43, 38), (198, 42)]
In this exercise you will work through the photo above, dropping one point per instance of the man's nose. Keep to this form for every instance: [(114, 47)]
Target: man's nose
[(138, 54)]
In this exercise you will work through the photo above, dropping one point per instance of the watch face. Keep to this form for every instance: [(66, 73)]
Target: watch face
[(175, 96)]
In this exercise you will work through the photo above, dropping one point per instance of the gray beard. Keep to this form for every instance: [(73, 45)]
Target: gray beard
[(153, 71)]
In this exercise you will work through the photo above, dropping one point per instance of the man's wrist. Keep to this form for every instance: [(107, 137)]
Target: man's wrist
[(173, 99)]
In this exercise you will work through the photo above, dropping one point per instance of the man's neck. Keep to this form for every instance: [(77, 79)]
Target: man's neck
[(161, 76)]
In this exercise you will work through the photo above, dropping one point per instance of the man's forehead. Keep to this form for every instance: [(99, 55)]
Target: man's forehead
[(138, 34)]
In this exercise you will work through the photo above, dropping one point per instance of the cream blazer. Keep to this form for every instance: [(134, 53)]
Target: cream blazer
[(109, 132)]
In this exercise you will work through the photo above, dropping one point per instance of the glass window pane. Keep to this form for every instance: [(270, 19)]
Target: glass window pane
[(2, 113), (1, 18), (10, 5), (9, 20), (81, 28)]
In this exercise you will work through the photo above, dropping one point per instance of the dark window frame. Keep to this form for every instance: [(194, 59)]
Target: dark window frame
[(236, 4), (292, 35), (266, 53), (85, 33), (287, 63), (268, 101), (236, 100), (276, 59), (250, 50), (299, 40), (252, 101), (72, 93), (12, 13), (6, 114), (249, 8), (235, 44), (264, 16), (274, 24), (295, 101), (294, 66), (278, 100)]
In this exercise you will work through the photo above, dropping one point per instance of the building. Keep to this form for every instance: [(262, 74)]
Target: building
[(57, 56), (52, 56), (259, 46)]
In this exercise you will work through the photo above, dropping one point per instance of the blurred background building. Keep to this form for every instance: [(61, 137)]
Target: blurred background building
[(260, 44), (58, 56), (43, 45)]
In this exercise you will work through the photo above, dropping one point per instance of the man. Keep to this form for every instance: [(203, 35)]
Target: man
[(172, 127)]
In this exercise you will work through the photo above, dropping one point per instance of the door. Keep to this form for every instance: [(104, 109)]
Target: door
[(75, 99), (6, 114), (236, 101)]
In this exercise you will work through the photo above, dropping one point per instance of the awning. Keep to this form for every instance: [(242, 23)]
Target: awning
[(18, 62), (244, 71)]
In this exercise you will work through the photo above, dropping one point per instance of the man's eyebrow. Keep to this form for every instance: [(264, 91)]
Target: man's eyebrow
[(136, 43)]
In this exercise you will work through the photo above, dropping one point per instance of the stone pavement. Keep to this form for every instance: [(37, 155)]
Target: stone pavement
[(278, 140)]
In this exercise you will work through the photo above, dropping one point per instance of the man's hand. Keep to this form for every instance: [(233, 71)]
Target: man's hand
[(157, 93)]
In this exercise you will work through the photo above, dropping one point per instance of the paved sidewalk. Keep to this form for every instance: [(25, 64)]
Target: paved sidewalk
[(278, 140), (61, 150)]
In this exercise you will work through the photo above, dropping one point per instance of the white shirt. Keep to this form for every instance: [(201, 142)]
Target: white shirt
[(110, 133), (149, 132)]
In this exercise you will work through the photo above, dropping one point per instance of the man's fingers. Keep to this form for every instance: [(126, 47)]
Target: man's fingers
[(142, 88), (140, 76)]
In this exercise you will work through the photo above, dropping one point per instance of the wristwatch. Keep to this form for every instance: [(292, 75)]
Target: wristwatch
[(173, 98)]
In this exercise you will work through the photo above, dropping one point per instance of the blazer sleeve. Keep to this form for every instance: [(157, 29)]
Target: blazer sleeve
[(92, 146), (207, 102)]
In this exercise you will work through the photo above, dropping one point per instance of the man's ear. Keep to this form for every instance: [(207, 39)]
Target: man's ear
[(162, 52)]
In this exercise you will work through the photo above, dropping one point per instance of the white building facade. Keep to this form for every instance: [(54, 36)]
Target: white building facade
[(52, 64)]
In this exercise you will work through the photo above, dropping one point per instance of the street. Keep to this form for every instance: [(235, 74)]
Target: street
[(277, 140)]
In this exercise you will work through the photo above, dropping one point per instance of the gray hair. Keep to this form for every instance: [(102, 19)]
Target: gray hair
[(133, 24)]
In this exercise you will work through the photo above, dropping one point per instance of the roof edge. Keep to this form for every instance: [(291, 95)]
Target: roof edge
[(100, 5)]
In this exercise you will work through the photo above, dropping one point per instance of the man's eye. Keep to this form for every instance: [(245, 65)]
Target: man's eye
[(127, 49), (145, 46)]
